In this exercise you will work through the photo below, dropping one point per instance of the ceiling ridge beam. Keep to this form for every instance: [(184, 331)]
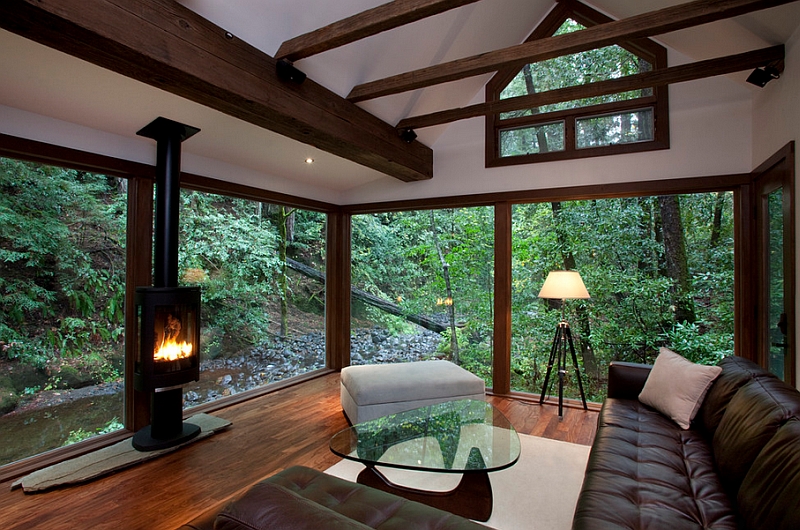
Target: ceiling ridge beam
[(648, 24), (365, 24), (666, 76), (168, 46)]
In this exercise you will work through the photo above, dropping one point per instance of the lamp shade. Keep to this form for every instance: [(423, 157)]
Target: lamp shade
[(563, 285)]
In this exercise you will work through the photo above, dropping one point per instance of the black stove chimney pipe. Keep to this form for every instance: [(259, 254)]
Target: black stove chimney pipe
[(166, 427), (168, 134)]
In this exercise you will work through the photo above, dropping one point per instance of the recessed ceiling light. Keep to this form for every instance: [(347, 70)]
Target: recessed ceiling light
[(309, 160)]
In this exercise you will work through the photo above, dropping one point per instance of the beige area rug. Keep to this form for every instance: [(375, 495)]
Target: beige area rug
[(539, 492), (107, 460)]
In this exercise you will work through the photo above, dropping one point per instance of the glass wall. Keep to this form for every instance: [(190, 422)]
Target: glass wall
[(261, 270), (659, 271), (62, 287), (423, 287)]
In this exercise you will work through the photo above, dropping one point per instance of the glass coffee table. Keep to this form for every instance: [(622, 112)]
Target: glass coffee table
[(468, 437)]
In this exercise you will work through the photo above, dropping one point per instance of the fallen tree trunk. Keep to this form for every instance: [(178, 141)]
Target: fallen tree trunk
[(374, 301)]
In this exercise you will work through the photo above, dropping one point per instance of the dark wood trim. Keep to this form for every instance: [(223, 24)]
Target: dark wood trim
[(337, 290), (362, 25), (138, 272), (45, 153), (675, 74), (745, 336), (647, 49), (665, 20), (241, 191), (501, 358), (778, 171), (570, 193), (167, 45)]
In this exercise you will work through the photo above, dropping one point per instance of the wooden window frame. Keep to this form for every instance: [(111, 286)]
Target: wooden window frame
[(338, 262), (654, 53)]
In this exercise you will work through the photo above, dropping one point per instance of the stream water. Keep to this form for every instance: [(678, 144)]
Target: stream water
[(46, 422)]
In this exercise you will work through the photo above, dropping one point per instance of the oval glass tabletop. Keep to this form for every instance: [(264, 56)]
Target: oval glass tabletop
[(451, 437)]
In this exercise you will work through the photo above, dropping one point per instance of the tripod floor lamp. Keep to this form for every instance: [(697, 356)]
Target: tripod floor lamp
[(562, 285)]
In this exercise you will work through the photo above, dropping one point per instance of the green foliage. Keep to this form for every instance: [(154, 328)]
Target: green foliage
[(229, 247), (62, 261), (616, 245), (610, 62)]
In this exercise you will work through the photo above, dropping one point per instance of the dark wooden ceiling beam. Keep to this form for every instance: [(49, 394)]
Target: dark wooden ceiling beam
[(163, 44), (667, 76), (363, 25), (645, 25)]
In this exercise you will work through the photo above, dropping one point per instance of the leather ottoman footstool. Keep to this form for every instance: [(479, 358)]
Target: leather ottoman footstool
[(375, 390)]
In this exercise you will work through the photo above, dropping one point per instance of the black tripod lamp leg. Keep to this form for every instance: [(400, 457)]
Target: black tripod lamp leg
[(577, 368), (554, 349)]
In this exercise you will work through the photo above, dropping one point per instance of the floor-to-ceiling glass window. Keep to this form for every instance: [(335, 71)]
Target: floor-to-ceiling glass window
[(260, 267), (423, 287), (62, 287), (659, 271)]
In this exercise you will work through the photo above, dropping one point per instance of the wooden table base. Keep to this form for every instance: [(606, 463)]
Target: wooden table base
[(472, 498)]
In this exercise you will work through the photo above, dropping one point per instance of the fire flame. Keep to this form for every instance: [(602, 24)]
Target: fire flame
[(170, 350)]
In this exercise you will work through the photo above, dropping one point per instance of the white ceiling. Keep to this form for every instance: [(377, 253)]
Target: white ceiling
[(52, 84)]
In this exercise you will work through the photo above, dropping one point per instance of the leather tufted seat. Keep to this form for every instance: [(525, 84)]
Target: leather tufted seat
[(300, 498), (644, 471)]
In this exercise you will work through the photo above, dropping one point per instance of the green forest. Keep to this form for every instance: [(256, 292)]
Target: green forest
[(659, 271)]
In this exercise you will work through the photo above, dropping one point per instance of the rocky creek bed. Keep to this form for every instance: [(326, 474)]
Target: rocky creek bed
[(47, 419)]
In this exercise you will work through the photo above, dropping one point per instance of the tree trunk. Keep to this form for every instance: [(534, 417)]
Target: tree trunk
[(676, 261), (371, 299), (283, 217), (541, 137), (716, 224), (585, 346), (450, 305)]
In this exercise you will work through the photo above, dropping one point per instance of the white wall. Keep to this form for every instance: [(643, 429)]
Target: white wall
[(710, 129), (776, 122)]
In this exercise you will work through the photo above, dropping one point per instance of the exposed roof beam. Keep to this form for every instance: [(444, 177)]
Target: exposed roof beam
[(163, 44), (667, 76), (644, 25), (364, 24)]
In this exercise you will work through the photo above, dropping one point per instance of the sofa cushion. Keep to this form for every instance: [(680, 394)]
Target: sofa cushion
[(283, 509), (769, 494), (371, 507), (676, 387), (646, 472), (753, 416), (736, 372)]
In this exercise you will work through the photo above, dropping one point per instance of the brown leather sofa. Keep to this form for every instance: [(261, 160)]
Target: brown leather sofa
[(299, 498), (738, 466)]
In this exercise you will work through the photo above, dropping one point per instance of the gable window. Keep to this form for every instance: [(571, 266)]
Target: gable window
[(586, 125)]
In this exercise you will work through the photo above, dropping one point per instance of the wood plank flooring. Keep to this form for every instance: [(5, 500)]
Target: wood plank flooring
[(269, 433)]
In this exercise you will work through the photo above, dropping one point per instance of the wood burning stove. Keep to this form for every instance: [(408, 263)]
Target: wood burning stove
[(168, 334)]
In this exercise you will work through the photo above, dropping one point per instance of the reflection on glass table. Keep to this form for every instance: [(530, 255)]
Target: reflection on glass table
[(468, 437)]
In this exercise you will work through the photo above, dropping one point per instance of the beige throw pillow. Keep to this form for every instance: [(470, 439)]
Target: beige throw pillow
[(676, 387)]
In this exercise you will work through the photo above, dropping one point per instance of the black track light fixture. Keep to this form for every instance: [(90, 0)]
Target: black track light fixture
[(761, 76), (288, 72), (407, 135)]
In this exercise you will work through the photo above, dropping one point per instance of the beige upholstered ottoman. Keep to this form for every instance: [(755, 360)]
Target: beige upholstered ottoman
[(375, 390)]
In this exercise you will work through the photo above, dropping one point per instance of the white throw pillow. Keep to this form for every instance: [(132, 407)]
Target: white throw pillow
[(676, 387)]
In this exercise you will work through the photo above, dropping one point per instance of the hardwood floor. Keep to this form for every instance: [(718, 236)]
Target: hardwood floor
[(269, 433)]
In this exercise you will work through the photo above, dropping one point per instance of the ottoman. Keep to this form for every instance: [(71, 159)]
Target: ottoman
[(375, 390)]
